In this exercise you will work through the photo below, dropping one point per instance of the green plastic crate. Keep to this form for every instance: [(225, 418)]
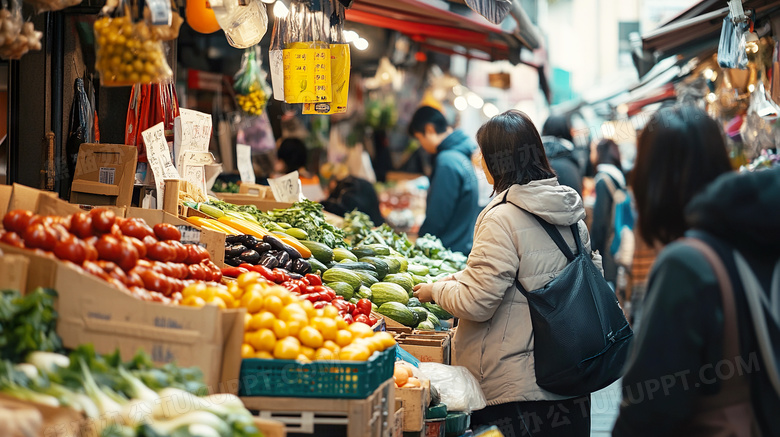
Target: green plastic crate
[(319, 379)]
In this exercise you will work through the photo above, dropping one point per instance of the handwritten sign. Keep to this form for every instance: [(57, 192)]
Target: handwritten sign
[(192, 132), (159, 156), (244, 159), (276, 60), (194, 168), (286, 188)]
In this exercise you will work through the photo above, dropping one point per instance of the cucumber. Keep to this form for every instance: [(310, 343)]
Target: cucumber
[(393, 265), (283, 225), (350, 265), (317, 266), (388, 292), (364, 293), (379, 264), (361, 252), (340, 254), (342, 289), (366, 277), (421, 313), (210, 210), (417, 269), (323, 253), (298, 233), (342, 275), (379, 249), (437, 311), (397, 312), (402, 279)]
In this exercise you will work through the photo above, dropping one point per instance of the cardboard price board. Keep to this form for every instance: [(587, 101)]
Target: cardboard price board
[(104, 174), (286, 188)]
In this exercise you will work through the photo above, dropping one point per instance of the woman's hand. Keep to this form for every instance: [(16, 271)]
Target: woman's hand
[(424, 292)]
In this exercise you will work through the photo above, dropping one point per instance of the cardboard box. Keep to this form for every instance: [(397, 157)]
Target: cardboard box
[(93, 311), (434, 349), (5, 198), (247, 199), (262, 191), (13, 272), (213, 241), (56, 421), (24, 197), (104, 174), (415, 401)]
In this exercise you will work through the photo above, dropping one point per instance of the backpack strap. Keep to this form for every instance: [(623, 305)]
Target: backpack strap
[(601, 176), (556, 236)]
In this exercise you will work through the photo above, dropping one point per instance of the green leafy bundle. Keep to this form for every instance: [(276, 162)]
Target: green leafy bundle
[(27, 323)]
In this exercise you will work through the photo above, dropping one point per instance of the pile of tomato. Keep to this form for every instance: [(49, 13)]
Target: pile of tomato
[(309, 287), (150, 262)]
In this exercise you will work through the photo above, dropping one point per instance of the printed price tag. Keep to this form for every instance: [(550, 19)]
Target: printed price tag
[(244, 159), (286, 188), (107, 175), (159, 156), (161, 12), (306, 75), (189, 235), (340, 64)]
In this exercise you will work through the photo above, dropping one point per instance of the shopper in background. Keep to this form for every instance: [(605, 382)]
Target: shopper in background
[(713, 372), (557, 140), (609, 177), (452, 205), (495, 338)]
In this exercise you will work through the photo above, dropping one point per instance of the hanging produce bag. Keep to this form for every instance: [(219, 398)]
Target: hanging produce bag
[(306, 56), (244, 25), (250, 86), (81, 128), (16, 36), (128, 52), (340, 65), (276, 56), (730, 54)]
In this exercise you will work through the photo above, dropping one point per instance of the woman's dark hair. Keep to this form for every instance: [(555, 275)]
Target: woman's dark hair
[(425, 115), (608, 152), (680, 151), (293, 153), (513, 150), (557, 126)]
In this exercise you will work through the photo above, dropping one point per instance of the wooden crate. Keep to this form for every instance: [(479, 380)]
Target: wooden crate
[(370, 417), (415, 401), (427, 348), (270, 428), (398, 419)]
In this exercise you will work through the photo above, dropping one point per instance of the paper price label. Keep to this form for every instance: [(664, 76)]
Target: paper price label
[(161, 12), (340, 65), (276, 58), (322, 72), (306, 75), (107, 175), (189, 235), (159, 156), (286, 188), (244, 159)]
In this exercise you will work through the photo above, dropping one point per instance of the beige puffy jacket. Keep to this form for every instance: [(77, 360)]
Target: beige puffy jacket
[(494, 339)]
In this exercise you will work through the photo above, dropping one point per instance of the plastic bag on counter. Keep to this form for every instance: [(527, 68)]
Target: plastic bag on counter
[(81, 129), (457, 387), (250, 85), (730, 54), (128, 51), (16, 36), (493, 10), (244, 26)]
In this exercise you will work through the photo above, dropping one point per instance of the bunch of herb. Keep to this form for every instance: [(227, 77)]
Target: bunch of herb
[(27, 323)]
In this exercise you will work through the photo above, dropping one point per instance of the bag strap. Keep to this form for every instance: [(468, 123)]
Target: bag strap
[(601, 176)]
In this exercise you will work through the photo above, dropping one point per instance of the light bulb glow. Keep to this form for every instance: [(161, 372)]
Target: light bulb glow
[(751, 88), (280, 10), (457, 90), (475, 101), (361, 44), (350, 36), (268, 1), (707, 73), (460, 103), (711, 97), (490, 110)]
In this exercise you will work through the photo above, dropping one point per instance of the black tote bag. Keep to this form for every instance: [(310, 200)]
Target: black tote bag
[(581, 336)]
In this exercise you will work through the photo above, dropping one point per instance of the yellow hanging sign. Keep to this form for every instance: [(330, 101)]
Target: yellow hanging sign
[(340, 65)]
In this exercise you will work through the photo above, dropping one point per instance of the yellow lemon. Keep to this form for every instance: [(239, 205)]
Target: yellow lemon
[(293, 311), (360, 330), (328, 328), (261, 320), (218, 302), (280, 329), (354, 353), (263, 340), (235, 291), (303, 359), (307, 352), (247, 278), (264, 355), (247, 319), (323, 354), (386, 338), (193, 301), (331, 345), (341, 323), (308, 307), (330, 312), (310, 337), (287, 349), (294, 327), (193, 290), (252, 300), (247, 351), (273, 304), (343, 338), (226, 297)]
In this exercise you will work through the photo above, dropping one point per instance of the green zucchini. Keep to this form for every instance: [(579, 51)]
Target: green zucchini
[(397, 312), (379, 264), (388, 292), (323, 253), (340, 254), (317, 266), (437, 311), (361, 252)]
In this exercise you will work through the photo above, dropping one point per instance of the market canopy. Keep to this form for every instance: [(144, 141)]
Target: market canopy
[(438, 28)]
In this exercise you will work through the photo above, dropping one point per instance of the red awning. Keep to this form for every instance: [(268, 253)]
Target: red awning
[(437, 27)]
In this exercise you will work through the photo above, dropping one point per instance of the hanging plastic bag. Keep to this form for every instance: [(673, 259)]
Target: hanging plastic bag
[(493, 10), (149, 105), (276, 56), (307, 67), (757, 132), (81, 128), (730, 54), (244, 26), (16, 36), (250, 86), (458, 388), (128, 52), (340, 64)]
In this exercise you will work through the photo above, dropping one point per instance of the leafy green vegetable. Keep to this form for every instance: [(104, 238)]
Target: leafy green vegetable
[(27, 323)]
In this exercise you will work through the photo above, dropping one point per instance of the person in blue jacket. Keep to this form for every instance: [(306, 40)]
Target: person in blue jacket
[(453, 195)]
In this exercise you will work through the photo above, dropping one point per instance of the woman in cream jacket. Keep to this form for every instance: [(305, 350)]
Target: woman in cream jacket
[(494, 339)]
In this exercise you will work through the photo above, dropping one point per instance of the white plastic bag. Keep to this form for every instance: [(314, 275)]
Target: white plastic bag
[(457, 387)]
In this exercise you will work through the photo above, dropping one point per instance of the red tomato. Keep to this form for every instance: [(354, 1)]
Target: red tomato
[(92, 253), (166, 231), (313, 279), (40, 237), (60, 231), (12, 239), (161, 251), (351, 307), (319, 305), (17, 220), (362, 318), (364, 306), (155, 281), (371, 321), (197, 272), (340, 305), (94, 269), (102, 220), (181, 251), (81, 225), (182, 270), (136, 228), (314, 297), (134, 279), (140, 247), (348, 318), (108, 247), (216, 272), (71, 249), (127, 256), (196, 254)]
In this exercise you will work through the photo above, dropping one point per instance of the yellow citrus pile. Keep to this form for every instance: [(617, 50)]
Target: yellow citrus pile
[(279, 325), (129, 53)]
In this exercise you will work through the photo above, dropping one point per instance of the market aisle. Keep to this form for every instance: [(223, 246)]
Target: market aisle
[(604, 410)]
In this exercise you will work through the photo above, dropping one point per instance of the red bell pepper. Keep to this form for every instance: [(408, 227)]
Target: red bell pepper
[(233, 272), (313, 279), (362, 318), (364, 306)]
